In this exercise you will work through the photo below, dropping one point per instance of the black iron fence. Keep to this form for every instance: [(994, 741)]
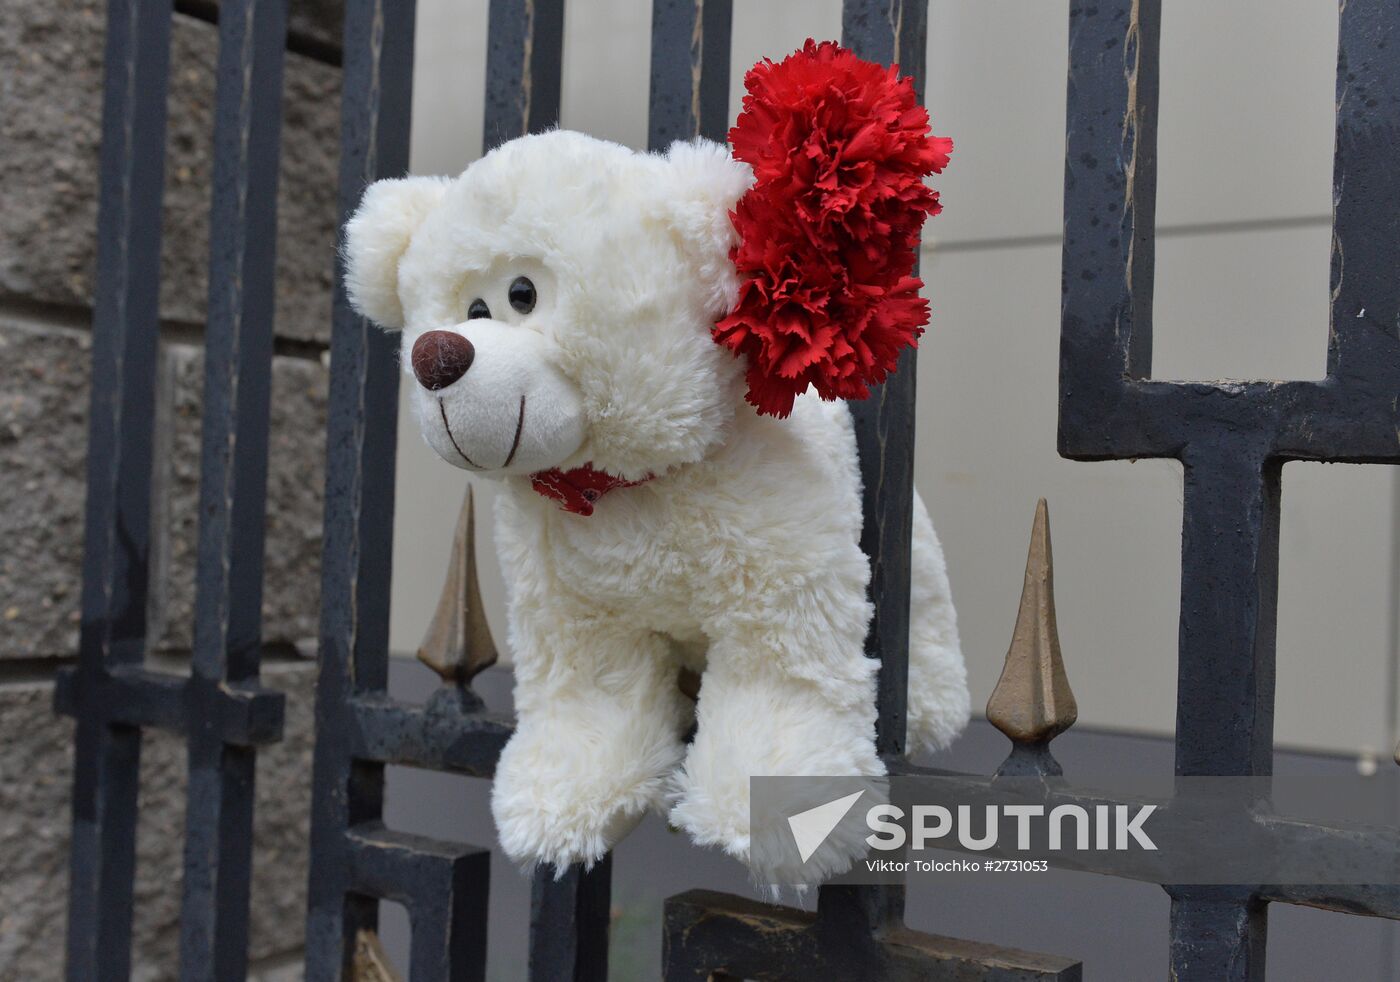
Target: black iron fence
[(219, 708), (1231, 437)]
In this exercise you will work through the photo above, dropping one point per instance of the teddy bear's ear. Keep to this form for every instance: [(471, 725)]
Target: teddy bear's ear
[(701, 183), (376, 238)]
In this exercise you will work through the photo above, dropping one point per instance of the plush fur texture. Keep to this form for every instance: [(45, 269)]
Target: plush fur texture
[(740, 558)]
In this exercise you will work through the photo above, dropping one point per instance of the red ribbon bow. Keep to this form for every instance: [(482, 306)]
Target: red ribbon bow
[(576, 490)]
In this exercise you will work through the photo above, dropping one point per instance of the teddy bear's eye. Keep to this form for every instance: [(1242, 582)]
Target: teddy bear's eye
[(478, 309), (522, 294)]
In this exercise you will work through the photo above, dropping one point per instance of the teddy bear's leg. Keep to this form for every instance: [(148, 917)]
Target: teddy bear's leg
[(938, 698), (599, 730), (768, 711)]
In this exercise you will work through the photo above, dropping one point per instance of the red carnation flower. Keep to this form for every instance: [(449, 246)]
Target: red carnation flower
[(829, 231)]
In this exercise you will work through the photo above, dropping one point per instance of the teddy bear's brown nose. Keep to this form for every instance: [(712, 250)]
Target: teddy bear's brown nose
[(441, 358)]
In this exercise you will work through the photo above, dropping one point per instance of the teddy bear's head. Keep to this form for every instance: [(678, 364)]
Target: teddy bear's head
[(557, 302)]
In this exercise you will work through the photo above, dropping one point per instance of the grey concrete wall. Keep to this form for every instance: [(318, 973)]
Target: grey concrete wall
[(50, 116)]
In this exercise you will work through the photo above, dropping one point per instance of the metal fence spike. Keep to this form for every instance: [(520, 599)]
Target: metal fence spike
[(1032, 701), (458, 642)]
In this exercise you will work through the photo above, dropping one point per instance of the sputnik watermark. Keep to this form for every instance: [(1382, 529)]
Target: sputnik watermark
[(1160, 828), (812, 827), (1107, 826), (902, 866), (1067, 826)]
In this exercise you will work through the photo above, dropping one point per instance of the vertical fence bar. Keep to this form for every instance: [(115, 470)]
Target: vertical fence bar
[(569, 916), (120, 430), (1366, 198), (888, 32), (355, 860), (569, 921), (524, 68), (233, 484), (376, 107), (1109, 211), (1229, 608), (1225, 676), (689, 71), (689, 94)]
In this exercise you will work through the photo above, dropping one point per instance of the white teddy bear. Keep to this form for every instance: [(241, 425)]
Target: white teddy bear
[(557, 302)]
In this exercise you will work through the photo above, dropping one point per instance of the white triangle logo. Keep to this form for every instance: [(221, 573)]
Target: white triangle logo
[(810, 828)]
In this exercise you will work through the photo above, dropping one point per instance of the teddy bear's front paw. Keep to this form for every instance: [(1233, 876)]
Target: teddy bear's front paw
[(717, 820), (547, 827), (550, 807)]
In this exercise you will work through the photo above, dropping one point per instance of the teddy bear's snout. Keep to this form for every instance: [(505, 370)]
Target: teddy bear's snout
[(441, 358), (497, 402)]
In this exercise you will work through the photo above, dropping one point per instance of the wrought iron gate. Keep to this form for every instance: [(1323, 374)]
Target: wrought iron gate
[(1232, 439)]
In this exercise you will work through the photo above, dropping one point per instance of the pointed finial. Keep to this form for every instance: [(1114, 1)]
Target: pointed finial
[(458, 643), (1032, 702)]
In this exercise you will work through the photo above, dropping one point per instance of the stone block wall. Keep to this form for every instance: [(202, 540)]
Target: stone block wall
[(50, 121)]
